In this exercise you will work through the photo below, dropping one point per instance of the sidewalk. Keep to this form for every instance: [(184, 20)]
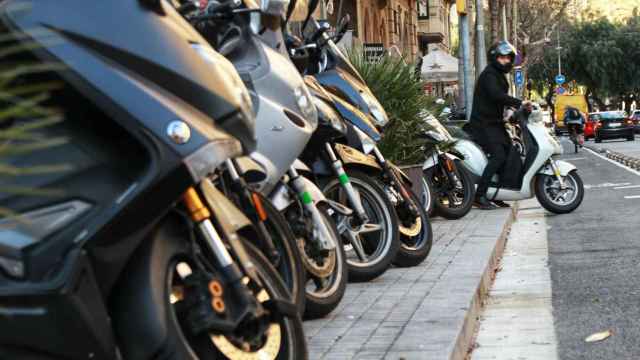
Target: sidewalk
[(425, 312)]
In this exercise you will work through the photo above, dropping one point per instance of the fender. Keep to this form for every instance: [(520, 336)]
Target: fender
[(351, 156), (226, 214), (564, 167), (281, 197), (399, 171), (432, 161)]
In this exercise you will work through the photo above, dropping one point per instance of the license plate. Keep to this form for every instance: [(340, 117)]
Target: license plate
[(614, 125)]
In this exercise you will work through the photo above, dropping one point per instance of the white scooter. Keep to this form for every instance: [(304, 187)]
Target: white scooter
[(555, 183)]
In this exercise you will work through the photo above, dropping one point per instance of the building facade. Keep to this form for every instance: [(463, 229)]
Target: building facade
[(434, 24), (392, 23)]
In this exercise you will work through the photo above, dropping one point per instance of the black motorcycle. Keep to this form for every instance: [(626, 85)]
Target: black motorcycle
[(333, 70), (141, 256)]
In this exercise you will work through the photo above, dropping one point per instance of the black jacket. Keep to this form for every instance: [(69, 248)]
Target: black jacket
[(490, 96)]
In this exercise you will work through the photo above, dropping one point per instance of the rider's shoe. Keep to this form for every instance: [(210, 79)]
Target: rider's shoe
[(501, 203), (483, 203)]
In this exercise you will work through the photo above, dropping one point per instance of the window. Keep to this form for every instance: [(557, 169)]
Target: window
[(423, 9)]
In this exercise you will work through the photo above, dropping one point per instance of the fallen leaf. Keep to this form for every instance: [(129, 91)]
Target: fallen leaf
[(599, 336)]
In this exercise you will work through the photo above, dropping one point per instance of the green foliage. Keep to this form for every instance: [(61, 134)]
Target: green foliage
[(599, 54), (400, 91), (23, 114)]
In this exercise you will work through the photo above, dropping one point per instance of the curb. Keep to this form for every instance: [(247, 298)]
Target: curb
[(466, 337), (621, 158)]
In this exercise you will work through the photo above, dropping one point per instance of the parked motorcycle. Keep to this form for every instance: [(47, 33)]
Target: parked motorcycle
[(286, 118), (337, 75), (451, 186), (555, 183), (141, 256), (344, 174)]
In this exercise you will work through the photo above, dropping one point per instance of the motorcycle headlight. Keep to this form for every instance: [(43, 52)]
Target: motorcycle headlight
[(304, 102), (379, 115), (330, 115), (368, 144)]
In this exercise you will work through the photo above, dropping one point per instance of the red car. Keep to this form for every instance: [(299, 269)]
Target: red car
[(590, 125)]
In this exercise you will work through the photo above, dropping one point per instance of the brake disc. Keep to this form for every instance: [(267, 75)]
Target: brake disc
[(313, 265)]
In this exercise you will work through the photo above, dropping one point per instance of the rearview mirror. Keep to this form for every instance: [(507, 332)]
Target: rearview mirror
[(342, 28)]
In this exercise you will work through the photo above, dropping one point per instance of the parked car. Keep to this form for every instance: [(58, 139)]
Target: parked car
[(635, 117), (614, 125)]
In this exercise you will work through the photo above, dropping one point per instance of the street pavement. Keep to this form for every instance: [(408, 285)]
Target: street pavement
[(422, 312), (594, 264)]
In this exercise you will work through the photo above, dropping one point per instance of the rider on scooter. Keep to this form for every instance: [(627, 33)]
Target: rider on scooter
[(574, 122), (487, 126)]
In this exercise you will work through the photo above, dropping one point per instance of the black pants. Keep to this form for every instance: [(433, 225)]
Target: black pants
[(497, 153)]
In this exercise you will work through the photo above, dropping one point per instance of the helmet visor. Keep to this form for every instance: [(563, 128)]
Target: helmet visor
[(505, 49)]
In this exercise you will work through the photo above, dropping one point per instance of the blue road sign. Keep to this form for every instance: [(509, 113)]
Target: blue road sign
[(560, 79), (519, 77), (560, 90)]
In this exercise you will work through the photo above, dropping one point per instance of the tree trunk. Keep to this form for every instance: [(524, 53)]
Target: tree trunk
[(509, 13), (549, 101), (494, 8)]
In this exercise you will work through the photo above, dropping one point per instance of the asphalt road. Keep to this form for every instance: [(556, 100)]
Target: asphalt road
[(631, 148), (594, 257)]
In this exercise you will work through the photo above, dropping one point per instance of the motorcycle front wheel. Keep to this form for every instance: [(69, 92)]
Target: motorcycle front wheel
[(450, 200), (370, 248), (555, 199), (416, 234), (159, 289)]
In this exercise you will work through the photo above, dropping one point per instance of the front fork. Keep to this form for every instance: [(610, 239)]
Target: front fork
[(201, 215), (556, 172), (352, 194), (253, 208), (322, 233), (397, 182)]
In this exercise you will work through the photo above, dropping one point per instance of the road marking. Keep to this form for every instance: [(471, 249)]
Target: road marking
[(632, 197), (572, 159), (614, 163), (605, 185), (626, 187)]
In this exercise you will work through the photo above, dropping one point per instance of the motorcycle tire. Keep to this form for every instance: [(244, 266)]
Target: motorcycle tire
[(150, 313), (426, 197), (414, 250), (380, 250), (290, 268), (542, 194), (320, 303), (468, 189)]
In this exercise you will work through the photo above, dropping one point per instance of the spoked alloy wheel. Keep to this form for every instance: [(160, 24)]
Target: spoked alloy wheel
[(555, 199), (152, 321), (327, 274), (451, 200), (370, 248), (416, 234), (290, 267), (277, 337)]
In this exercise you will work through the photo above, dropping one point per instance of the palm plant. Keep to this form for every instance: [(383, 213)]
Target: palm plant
[(400, 90)]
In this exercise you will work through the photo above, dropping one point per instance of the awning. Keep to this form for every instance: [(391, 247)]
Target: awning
[(438, 66)]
